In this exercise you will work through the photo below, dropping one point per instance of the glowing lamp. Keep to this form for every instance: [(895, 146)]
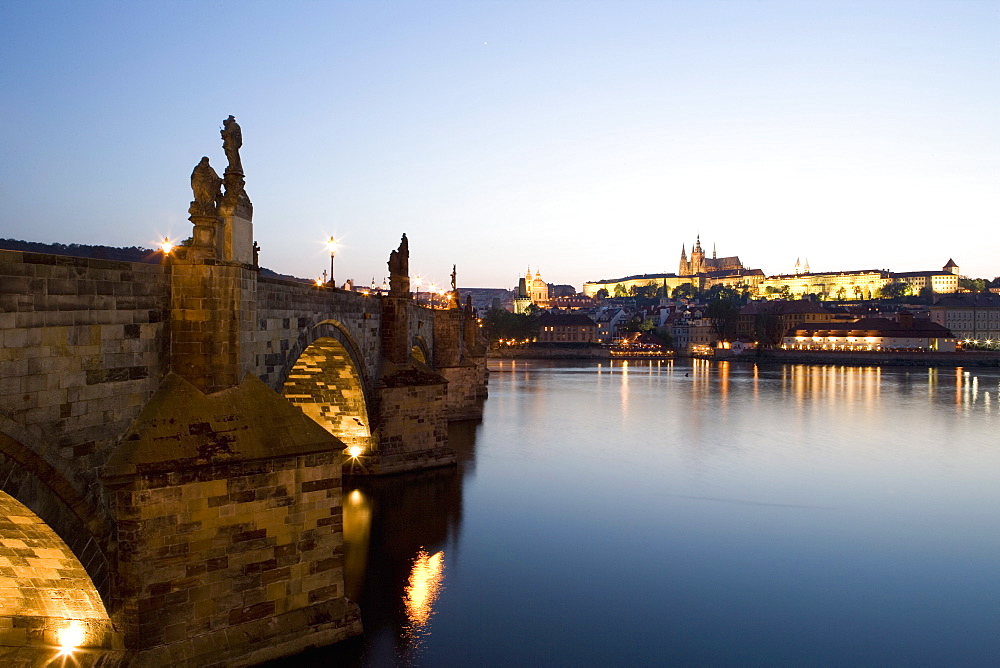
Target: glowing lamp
[(354, 451), (70, 638), (166, 246)]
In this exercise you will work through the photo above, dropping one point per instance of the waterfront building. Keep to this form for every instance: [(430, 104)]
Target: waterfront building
[(608, 322), (971, 316), (566, 328), (786, 314), (906, 333)]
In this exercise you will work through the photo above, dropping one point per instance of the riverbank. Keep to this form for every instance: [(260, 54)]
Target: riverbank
[(581, 353), (862, 358), (853, 358)]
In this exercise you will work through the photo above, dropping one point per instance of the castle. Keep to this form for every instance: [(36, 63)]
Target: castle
[(699, 264)]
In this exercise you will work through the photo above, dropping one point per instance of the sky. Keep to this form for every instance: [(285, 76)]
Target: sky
[(589, 140)]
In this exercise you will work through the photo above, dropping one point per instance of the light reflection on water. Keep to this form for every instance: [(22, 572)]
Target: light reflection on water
[(689, 512), (421, 592)]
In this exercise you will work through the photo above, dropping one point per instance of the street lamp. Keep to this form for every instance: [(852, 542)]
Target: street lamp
[(332, 246), (166, 246)]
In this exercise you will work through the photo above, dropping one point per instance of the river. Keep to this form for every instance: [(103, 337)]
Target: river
[(691, 513)]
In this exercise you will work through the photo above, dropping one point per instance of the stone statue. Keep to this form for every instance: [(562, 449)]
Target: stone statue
[(232, 140), (399, 270), (256, 254), (207, 187), (455, 300)]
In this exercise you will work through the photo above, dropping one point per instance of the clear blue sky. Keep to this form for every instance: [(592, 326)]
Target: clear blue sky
[(588, 139)]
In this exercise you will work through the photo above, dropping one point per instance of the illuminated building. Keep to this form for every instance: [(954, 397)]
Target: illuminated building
[(906, 334), (972, 317), (699, 271), (566, 328), (856, 284), (699, 264), (531, 290)]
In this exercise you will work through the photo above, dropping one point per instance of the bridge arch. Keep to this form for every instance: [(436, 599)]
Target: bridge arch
[(28, 478), (328, 380), (54, 564), (420, 351)]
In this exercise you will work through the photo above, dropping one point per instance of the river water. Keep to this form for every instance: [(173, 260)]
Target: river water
[(691, 513)]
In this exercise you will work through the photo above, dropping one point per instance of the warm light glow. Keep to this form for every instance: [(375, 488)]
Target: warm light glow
[(424, 586), (355, 451), (332, 245), (70, 638), (166, 246), (319, 282)]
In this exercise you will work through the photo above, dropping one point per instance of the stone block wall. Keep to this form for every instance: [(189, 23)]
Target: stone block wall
[(230, 563), (413, 430), (213, 313), (448, 338), (466, 385), (84, 346)]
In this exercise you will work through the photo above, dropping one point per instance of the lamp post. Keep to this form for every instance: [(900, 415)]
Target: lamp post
[(332, 246)]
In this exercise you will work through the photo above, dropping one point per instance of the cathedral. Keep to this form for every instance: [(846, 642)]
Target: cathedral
[(699, 264)]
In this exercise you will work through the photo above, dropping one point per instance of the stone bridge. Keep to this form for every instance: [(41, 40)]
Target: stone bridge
[(172, 440)]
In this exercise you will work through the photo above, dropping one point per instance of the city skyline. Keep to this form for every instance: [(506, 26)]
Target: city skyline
[(585, 140)]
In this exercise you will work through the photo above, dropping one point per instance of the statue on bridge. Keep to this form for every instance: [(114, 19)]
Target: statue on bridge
[(207, 187), (455, 299), (399, 270), (232, 140)]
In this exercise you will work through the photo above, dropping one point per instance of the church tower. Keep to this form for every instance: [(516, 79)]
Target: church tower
[(684, 269), (697, 264)]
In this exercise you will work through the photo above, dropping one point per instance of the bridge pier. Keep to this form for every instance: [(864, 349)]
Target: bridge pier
[(230, 528)]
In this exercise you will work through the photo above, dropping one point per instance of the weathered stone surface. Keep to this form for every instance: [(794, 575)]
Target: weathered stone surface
[(230, 526), (245, 571)]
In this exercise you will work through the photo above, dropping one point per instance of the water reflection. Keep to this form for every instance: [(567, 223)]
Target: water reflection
[(770, 515), (421, 592), (397, 531)]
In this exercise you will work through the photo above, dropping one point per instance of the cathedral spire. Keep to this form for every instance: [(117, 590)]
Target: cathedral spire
[(713, 250), (684, 254)]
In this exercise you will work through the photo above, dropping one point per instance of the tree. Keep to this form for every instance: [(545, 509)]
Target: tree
[(663, 333), (683, 291), (620, 290), (895, 290), (767, 326), (602, 293), (723, 311), (785, 292), (974, 284), (502, 324)]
